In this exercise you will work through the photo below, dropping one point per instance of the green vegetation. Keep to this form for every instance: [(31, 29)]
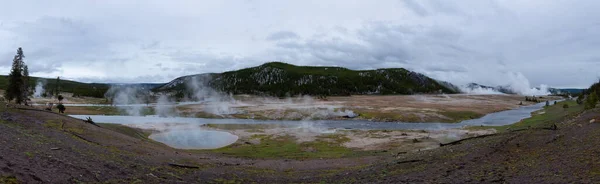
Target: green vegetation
[(552, 114), (326, 146), (61, 108), (590, 96), (591, 101), (282, 79), (77, 88), (106, 110), (9, 180), (458, 116), (450, 116), (132, 132)]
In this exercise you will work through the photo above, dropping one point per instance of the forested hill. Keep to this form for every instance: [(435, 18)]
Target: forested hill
[(280, 79), (77, 88)]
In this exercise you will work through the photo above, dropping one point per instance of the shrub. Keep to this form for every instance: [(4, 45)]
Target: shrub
[(566, 106), (61, 108), (591, 101)]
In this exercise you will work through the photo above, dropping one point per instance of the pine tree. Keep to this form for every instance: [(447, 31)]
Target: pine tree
[(57, 87), (26, 89), (15, 79), (591, 101)]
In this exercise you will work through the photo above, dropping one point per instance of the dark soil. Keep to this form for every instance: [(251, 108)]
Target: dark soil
[(45, 147)]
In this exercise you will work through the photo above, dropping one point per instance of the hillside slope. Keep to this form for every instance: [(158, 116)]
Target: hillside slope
[(281, 79), (77, 88)]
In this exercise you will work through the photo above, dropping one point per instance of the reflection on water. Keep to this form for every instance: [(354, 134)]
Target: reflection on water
[(195, 139)]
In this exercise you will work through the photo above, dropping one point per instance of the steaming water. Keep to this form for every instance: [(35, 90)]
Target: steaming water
[(194, 139), (187, 133), (130, 105)]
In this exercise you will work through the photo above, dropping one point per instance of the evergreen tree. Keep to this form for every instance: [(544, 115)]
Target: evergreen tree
[(26, 89), (57, 87), (591, 101), (15, 79)]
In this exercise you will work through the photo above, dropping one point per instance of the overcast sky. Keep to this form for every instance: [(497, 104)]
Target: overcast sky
[(553, 42)]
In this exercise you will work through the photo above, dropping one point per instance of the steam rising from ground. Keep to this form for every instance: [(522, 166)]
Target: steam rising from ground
[(517, 83), (127, 98), (135, 101), (223, 104), (215, 102), (479, 90), (39, 89), (520, 84), (165, 107)]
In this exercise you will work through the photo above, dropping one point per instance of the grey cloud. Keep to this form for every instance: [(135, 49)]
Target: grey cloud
[(136, 79), (459, 41), (281, 35), (415, 7)]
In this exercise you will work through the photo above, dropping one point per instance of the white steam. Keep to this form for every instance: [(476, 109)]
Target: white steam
[(39, 89), (165, 107), (311, 127), (215, 102), (520, 84), (514, 82), (479, 90), (331, 112), (127, 99), (136, 101)]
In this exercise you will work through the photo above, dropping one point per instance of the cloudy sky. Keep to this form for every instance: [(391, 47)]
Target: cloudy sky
[(491, 42)]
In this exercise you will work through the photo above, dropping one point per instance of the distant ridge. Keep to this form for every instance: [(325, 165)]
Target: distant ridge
[(281, 79)]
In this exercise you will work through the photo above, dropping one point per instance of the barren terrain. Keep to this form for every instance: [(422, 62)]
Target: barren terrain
[(396, 108), (404, 108)]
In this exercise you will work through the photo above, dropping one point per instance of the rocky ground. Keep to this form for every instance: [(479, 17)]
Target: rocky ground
[(44, 147)]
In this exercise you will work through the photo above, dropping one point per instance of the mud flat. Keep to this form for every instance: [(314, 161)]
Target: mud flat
[(393, 108), (348, 142), (403, 108)]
